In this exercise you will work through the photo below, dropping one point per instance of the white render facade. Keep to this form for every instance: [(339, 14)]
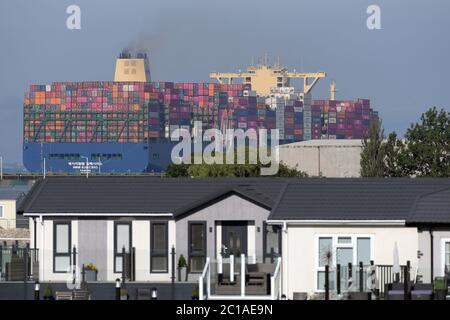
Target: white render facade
[(300, 261)]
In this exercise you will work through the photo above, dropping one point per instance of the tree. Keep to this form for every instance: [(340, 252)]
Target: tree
[(425, 151), (395, 160), (373, 153), (227, 170), (177, 170)]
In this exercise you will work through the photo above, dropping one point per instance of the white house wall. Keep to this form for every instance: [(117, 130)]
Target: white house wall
[(45, 246), (94, 240), (8, 220), (439, 234), (300, 251)]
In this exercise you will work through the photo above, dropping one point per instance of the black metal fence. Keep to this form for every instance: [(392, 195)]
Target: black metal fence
[(362, 278)]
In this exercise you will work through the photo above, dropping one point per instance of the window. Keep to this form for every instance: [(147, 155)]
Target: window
[(122, 239), (272, 242), (159, 247), (341, 249), (1, 212), (61, 246), (197, 246), (445, 257)]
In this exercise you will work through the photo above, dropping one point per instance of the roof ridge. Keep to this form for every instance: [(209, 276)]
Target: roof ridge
[(426, 194), (31, 196), (279, 197)]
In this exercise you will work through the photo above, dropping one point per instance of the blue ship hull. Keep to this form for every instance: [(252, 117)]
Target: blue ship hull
[(115, 157)]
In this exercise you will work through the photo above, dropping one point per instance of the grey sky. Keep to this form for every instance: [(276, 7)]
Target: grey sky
[(403, 68)]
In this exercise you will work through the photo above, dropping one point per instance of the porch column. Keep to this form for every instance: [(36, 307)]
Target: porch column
[(284, 264)]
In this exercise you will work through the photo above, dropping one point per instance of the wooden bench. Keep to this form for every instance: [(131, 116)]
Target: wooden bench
[(73, 295)]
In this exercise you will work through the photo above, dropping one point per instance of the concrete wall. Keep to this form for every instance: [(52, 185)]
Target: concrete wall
[(337, 158), (8, 220), (440, 235), (300, 251), (233, 208), (92, 244)]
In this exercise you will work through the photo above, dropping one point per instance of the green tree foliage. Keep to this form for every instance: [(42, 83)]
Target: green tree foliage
[(426, 151), (372, 155)]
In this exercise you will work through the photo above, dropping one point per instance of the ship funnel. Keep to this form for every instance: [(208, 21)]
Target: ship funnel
[(132, 69)]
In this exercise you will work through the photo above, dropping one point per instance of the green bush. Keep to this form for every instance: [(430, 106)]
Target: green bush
[(195, 291), (90, 266), (440, 283), (48, 292), (182, 262)]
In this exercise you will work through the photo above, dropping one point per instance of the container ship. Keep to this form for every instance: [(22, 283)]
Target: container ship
[(125, 124)]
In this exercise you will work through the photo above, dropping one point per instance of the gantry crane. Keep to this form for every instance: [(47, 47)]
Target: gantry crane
[(263, 78)]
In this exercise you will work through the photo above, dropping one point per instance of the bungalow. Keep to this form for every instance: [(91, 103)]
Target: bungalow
[(337, 222), (262, 237)]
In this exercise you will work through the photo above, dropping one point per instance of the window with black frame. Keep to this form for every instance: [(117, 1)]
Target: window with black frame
[(122, 239), (159, 243), (61, 247), (197, 246), (272, 243)]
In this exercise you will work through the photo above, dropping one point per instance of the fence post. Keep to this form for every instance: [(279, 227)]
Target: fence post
[(350, 276), (133, 264), (83, 275), (373, 278), (338, 278), (327, 282), (172, 287), (361, 277), (26, 261), (74, 263), (406, 280), (219, 268), (243, 275), (231, 268), (123, 264)]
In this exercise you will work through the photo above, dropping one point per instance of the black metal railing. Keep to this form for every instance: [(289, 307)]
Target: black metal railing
[(19, 263)]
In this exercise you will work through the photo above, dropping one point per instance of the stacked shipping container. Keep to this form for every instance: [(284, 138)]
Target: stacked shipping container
[(96, 112)]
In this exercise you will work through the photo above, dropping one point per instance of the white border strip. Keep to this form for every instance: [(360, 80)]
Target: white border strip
[(340, 222), (67, 214)]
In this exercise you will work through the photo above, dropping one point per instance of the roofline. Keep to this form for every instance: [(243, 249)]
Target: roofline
[(219, 196), (340, 222), (69, 214)]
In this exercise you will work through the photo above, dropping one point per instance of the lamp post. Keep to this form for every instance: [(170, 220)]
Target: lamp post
[(117, 289), (37, 289), (87, 171), (154, 293)]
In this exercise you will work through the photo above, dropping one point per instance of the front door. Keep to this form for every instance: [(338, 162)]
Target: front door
[(234, 238)]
